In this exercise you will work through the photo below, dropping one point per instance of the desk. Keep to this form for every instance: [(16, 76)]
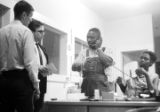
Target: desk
[(96, 106)]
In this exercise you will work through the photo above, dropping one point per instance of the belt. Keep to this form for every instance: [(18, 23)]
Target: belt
[(14, 73)]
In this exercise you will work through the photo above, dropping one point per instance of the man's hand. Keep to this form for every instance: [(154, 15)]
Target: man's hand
[(119, 80), (36, 89), (51, 68), (77, 67), (141, 71), (48, 69), (105, 59), (98, 43), (122, 84), (44, 71), (36, 94)]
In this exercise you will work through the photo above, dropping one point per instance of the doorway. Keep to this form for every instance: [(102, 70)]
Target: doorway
[(130, 59), (55, 42)]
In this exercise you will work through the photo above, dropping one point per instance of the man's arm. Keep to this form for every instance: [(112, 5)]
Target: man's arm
[(29, 56), (105, 59), (121, 84), (152, 86)]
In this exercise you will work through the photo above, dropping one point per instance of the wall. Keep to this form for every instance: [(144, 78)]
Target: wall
[(156, 30), (51, 43), (134, 33), (69, 15), (157, 47)]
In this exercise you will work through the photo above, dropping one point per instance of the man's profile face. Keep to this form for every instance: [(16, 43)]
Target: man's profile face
[(39, 33)]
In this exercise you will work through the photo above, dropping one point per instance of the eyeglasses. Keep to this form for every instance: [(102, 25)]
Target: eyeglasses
[(41, 31)]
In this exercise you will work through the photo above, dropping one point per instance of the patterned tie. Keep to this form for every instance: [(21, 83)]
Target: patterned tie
[(40, 55)]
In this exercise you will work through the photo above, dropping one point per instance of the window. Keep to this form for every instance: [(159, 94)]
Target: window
[(55, 43), (79, 45), (4, 15)]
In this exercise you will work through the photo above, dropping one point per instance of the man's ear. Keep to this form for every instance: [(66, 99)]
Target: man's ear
[(23, 15)]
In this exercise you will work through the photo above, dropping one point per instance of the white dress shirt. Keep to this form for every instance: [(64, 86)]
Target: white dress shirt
[(44, 60), (17, 49)]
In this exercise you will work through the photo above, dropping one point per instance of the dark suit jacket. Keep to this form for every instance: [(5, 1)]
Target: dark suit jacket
[(43, 80)]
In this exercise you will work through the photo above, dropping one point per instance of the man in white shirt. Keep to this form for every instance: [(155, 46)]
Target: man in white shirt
[(18, 65)]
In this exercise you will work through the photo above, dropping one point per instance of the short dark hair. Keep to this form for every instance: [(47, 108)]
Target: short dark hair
[(96, 30), (20, 7), (34, 24), (152, 55)]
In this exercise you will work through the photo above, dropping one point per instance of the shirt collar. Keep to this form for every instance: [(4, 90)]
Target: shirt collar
[(17, 22)]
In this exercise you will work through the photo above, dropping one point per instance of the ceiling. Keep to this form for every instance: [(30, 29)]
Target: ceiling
[(119, 9)]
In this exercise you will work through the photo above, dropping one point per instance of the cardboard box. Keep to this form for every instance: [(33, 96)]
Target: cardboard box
[(108, 95)]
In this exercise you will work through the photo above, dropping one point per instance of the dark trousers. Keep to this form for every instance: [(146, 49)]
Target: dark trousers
[(16, 91), (38, 103)]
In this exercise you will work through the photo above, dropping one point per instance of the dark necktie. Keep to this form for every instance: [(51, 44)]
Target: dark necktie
[(40, 55)]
